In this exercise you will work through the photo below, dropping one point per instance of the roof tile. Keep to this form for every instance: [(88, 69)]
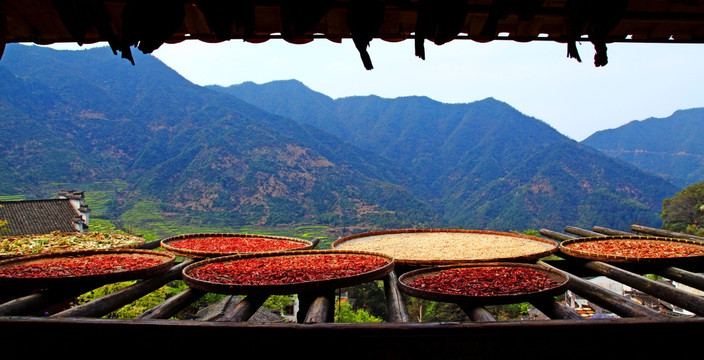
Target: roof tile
[(38, 216)]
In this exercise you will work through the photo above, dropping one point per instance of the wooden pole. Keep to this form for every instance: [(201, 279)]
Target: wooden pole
[(607, 299), (665, 233), (244, 309), (662, 291), (683, 276), (305, 300), (321, 309), (151, 245), (581, 232), (31, 303), (607, 231), (315, 242), (108, 303), (173, 305), (555, 235), (395, 303), (555, 310), (477, 313)]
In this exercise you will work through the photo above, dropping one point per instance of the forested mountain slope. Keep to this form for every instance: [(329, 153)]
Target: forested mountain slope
[(481, 164), (671, 146), (282, 154), (74, 118)]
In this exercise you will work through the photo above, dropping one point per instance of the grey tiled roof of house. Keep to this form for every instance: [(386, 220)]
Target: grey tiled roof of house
[(38, 216)]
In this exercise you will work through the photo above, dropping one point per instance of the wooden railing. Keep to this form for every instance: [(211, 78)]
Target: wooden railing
[(400, 336)]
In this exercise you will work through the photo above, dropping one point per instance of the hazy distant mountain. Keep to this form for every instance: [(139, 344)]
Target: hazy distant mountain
[(671, 147), (71, 119), (482, 164)]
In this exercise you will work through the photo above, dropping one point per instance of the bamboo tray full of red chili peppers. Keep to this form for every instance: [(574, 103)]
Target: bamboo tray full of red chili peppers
[(82, 268), (288, 272), (634, 249), (484, 283), (223, 244)]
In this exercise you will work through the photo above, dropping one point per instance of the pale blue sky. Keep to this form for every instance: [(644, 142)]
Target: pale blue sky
[(536, 78)]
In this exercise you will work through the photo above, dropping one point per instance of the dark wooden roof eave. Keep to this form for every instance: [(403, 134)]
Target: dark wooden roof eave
[(38, 21), (38, 217)]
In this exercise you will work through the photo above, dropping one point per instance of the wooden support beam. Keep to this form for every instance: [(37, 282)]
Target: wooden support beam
[(244, 309), (151, 245), (607, 299), (688, 278), (607, 231), (556, 310), (683, 299), (581, 232), (395, 302), (108, 303), (665, 233), (554, 339), (555, 235), (315, 242), (29, 304), (477, 313), (322, 309), (173, 305)]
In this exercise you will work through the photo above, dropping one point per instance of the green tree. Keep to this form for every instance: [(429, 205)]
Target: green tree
[(369, 297), (509, 311), (423, 310), (531, 232), (279, 303), (684, 212), (137, 307), (345, 314)]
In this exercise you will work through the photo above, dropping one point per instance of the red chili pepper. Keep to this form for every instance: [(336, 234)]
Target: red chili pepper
[(224, 244), (79, 266), (637, 248), (275, 270), (484, 281)]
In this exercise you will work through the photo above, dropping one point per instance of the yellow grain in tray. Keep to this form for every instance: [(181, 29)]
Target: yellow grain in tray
[(425, 246)]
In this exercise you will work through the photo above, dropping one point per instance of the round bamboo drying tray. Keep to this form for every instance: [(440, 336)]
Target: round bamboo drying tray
[(18, 282), (677, 255), (169, 244), (405, 281), (56, 242), (426, 247), (287, 287)]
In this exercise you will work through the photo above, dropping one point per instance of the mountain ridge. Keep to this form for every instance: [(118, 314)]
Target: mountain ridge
[(458, 151), (278, 157), (668, 146), (199, 153)]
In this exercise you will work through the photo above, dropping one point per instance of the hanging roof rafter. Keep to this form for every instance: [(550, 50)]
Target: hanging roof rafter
[(148, 24)]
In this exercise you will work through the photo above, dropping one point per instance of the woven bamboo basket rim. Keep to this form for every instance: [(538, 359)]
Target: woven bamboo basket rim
[(551, 246), (136, 244), (405, 279), (287, 288), (612, 258), (198, 254), (167, 261)]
